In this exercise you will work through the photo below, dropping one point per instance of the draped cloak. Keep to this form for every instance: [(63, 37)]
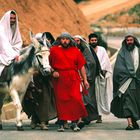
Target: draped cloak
[(10, 41), (90, 66), (67, 61), (90, 99), (128, 104)]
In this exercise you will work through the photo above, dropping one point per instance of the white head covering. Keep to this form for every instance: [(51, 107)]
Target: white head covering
[(83, 40), (10, 43)]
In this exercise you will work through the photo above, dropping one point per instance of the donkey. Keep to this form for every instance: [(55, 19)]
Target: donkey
[(32, 58)]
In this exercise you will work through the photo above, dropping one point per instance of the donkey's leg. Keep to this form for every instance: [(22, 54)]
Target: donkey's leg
[(1, 104), (16, 100)]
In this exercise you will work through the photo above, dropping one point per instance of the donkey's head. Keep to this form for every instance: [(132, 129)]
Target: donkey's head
[(34, 56), (41, 54)]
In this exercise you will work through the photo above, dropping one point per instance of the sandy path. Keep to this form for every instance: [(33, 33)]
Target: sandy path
[(95, 9)]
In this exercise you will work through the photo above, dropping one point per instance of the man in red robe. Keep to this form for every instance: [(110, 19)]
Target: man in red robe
[(67, 61)]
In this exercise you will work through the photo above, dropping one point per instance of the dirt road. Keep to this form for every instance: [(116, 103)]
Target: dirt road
[(95, 9), (112, 128)]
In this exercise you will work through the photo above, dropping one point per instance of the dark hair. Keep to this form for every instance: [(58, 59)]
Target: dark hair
[(92, 35), (48, 35), (100, 40), (13, 12), (136, 42)]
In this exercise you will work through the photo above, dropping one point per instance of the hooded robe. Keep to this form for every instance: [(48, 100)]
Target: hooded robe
[(90, 66), (126, 83)]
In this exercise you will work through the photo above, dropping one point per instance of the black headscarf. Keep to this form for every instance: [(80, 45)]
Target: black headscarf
[(49, 36)]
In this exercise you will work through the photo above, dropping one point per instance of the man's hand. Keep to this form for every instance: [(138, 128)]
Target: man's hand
[(86, 84), (18, 58), (55, 74)]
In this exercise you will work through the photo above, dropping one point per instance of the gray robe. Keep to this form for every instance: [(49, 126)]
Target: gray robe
[(128, 104), (90, 99)]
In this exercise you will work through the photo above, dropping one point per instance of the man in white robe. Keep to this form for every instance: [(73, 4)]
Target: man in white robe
[(103, 84), (10, 44), (10, 39)]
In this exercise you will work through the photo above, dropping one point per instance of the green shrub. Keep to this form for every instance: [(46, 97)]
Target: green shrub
[(135, 9)]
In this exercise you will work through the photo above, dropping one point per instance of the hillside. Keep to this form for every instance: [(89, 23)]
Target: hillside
[(125, 18), (55, 16), (97, 9)]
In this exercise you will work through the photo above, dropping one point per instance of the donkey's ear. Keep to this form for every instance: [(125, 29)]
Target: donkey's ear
[(46, 42), (34, 40), (31, 34)]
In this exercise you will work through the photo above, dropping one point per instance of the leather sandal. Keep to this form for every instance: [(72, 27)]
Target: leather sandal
[(129, 127)]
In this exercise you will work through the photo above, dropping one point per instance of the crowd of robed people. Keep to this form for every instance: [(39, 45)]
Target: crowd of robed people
[(80, 87)]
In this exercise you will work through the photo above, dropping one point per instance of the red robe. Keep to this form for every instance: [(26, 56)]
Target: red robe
[(69, 101)]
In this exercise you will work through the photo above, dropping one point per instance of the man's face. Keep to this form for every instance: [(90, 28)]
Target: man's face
[(65, 42), (130, 41), (77, 40), (93, 42), (12, 19)]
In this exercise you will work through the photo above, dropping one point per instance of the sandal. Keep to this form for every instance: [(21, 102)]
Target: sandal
[(129, 127), (74, 127), (61, 128), (135, 124), (81, 124)]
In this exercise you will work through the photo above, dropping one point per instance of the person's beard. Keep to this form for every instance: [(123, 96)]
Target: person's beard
[(130, 47), (94, 45), (65, 45), (13, 27), (80, 46)]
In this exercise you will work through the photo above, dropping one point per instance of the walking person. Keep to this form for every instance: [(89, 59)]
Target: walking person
[(103, 82), (126, 83), (90, 66), (39, 102), (66, 61)]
